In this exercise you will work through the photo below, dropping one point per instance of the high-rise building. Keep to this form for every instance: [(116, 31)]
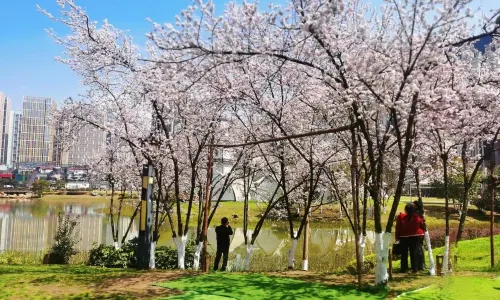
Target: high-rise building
[(14, 136), (4, 128), (90, 141), (36, 144)]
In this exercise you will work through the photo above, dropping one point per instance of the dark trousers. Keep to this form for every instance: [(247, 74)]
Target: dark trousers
[(414, 247), (221, 250)]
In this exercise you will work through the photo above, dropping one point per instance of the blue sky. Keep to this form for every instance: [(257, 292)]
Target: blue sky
[(27, 65)]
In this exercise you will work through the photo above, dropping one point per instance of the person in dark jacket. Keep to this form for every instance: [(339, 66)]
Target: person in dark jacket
[(419, 210), (409, 229), (222, 232)]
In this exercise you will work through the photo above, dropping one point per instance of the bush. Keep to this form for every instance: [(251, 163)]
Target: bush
[(65, 240), (126, 256), (40, 187), (369, 265), (166, 257), (76, 193)]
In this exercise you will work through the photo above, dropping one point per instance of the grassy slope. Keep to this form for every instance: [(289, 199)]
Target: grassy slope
[(474, 255), (465, 287)]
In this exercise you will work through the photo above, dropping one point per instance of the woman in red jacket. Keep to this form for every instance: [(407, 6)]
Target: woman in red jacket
[(409, 230)]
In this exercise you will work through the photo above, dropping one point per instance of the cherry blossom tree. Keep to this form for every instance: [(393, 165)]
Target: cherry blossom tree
[(321, 66)]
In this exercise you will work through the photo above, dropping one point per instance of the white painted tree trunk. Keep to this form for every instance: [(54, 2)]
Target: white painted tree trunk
[(116, 245), (362, 246), (432, 265), (197, 256), (180, 243), (291, 254), (305, 265), (152, 259), (340, 213), (246, 265), (382, 241), (446, 255)]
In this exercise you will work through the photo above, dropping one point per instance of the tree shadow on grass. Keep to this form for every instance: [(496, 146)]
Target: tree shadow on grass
[(256, 286)]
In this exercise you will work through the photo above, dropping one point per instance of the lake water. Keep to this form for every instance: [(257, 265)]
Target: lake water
[(30, 226)]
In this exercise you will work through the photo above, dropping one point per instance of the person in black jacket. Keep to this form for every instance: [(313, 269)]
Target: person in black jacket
[(222, 232)]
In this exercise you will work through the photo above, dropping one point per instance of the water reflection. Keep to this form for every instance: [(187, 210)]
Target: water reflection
[(31, 227)]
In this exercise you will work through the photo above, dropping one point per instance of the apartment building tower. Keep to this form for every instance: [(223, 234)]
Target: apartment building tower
[(36, 143), (89, 143), (14, 137), (4, 128)]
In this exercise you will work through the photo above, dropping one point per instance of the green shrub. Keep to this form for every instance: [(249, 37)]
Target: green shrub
[(40, 187), (109, 257), (65, 240), (369, 264), (126, 256)]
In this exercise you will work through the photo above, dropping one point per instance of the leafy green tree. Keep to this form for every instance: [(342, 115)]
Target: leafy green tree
[(39, 187), (60, 184), (7, 181), (456, 184), (484, 202)]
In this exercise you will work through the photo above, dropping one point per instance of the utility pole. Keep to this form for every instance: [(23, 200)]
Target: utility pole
[(145, 221), (208, 187)]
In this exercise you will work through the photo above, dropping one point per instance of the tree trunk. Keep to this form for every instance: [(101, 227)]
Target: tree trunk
[(355, 205), (197, 254), (291, 253), (305, 248), (124, 237), (446, 256), (208, 187), (432, 265), (465, 199), (249, 249), (180, 243)]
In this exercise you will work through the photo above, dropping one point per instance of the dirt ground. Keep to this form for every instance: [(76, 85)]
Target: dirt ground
[(140, 286)]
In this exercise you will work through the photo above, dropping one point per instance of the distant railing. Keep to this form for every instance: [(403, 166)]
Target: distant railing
[(15, 191)]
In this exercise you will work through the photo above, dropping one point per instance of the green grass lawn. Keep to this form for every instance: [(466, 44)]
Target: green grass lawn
[(474, 255), (77, 199), (472, 279), (53, 282), (256, 286), (463, 287)]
